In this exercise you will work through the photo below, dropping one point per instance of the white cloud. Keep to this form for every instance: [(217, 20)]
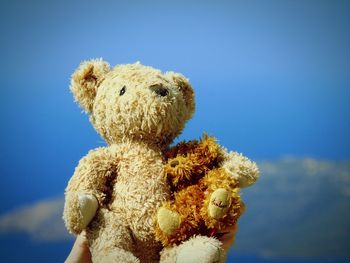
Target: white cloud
[(289, 200), (42, 220)]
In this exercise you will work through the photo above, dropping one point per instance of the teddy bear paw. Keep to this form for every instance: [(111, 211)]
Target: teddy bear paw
[(219, 203), (168, 220), (88, 205), (201, 249)]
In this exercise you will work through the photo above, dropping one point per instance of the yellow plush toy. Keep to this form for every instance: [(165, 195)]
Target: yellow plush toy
[(117, 191), (205, 181)]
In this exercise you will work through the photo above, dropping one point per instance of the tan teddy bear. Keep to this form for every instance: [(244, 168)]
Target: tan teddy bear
[(116, 191)]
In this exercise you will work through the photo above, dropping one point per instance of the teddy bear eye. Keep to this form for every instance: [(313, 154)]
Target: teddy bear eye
[(122, 91), (159, 90)]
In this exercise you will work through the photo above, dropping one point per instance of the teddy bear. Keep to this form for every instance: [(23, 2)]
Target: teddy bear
[(205, 180), (116, 191)]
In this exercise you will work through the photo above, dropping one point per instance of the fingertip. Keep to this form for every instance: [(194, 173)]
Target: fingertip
[(80, 252)]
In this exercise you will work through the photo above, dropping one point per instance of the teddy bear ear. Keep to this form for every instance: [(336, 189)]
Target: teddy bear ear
[(86, 80), (186, 89)]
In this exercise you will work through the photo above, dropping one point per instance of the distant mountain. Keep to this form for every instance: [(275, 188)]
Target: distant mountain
[(300, 208)]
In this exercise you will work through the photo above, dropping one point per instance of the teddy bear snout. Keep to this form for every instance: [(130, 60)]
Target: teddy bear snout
[(159, 90)]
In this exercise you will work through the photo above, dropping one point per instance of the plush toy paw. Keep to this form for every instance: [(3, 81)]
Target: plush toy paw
[(88, 205), (79, 210), (168, 220), (219, 203), (240, 167), (201, 249)]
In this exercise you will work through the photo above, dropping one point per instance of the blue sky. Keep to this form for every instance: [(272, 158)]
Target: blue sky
[(271, 78), (271, 74)]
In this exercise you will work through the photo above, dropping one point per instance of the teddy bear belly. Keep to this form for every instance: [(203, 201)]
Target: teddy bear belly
[(138, 196)]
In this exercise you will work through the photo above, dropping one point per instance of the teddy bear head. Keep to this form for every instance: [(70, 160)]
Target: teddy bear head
[(133, 101)]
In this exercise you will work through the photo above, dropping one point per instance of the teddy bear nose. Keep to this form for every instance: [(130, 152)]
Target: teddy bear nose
[(159, 90)]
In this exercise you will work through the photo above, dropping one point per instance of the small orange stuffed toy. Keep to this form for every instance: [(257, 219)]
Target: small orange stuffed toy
[(205, 181)]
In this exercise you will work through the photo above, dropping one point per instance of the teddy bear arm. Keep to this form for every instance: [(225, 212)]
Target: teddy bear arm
[(222, 204), (240, 167), (94, 173), (88, 188)]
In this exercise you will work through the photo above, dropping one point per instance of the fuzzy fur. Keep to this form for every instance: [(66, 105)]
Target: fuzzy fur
[(126, 177), (116, 191), (197, 172), (196, 249)]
